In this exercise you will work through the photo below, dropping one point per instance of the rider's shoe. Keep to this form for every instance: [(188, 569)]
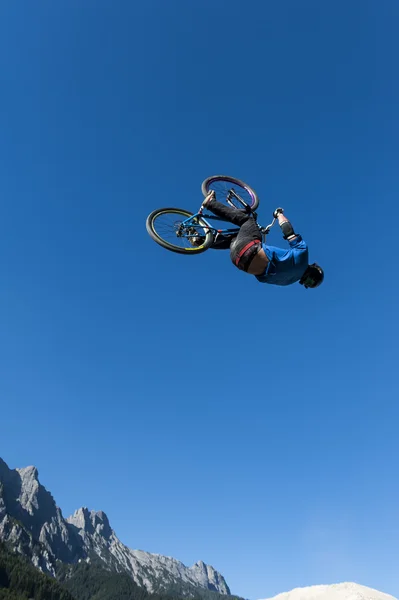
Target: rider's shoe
[(278, 211), (209, 197)]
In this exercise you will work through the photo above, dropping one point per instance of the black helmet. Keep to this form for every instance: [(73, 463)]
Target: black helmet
[(312, 277)]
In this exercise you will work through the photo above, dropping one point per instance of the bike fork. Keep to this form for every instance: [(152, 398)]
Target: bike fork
[(233, 194)]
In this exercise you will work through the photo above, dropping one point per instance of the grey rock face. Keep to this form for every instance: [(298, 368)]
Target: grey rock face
[(32, 510), (152, 571), (31, 521), (91, 522), (3, 509), (206, 573)]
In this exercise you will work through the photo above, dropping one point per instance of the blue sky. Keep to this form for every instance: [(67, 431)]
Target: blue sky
[(211, 417)]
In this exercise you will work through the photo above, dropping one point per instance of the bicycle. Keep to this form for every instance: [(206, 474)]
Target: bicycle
[(192, 233)]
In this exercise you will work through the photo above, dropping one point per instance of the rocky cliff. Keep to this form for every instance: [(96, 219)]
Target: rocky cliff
[(31, 521)]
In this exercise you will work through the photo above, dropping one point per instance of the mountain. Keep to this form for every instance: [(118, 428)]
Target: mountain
[(32, 523), (20, 580), (338, 591)]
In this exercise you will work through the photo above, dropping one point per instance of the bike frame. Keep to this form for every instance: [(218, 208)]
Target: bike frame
[(230, 231)]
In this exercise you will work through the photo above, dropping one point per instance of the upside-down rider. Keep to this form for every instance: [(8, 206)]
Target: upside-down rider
[(268, 263)]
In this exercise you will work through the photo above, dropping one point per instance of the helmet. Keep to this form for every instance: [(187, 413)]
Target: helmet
[(312, 277)]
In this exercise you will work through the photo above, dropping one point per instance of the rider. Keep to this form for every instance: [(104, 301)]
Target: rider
[(268, 263)]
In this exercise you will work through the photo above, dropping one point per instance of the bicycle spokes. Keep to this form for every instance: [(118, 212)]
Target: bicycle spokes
[(231, 191), (181, 234), (231, 195)]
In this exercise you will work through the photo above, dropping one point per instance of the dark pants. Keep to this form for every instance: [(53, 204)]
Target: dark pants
[(249, 232)]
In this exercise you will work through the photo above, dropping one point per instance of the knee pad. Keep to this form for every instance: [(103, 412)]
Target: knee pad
[(287, 229)]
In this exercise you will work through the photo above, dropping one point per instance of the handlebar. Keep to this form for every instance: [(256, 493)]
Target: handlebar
[(266, 230)]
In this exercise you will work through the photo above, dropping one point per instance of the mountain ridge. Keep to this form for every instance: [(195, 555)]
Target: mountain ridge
[(32, 522)]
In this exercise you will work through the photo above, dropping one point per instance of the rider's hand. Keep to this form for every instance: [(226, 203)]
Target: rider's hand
[(277, 212)]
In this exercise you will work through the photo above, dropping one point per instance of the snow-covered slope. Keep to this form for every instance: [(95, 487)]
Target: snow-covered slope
[(338, 591)]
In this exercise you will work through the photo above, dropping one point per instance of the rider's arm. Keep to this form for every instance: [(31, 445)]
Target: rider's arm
[(287, 229)]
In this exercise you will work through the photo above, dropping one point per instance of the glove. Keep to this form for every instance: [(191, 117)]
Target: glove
[(278, 211)]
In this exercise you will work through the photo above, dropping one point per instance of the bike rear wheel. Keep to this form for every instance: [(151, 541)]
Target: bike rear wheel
[(173, 229), (228, 188)]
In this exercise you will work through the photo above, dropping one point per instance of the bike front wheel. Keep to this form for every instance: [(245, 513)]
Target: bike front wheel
[(232, 191), (179, 230)]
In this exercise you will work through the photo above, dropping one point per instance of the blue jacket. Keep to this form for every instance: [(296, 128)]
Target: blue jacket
[(285, 266)]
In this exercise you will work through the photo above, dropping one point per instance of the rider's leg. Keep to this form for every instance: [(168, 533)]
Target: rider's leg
[(233, 215), (249, 232), (249, 229), (248, 243)]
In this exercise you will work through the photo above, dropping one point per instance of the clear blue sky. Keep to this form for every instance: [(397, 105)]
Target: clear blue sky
[(211, 417)]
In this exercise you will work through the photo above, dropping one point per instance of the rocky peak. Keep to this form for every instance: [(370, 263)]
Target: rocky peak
[(91, 522), (3, 466), (32, 522), (28, 511), (29, 473), (30, 487), (25, 498), (8, 476), (208, 576), (80, 518)]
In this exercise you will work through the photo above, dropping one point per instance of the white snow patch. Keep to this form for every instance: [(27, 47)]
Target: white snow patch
[(337, 591)]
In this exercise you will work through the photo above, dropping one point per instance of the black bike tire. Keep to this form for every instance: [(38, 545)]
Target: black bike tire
[(251, 191), (159, 240)]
